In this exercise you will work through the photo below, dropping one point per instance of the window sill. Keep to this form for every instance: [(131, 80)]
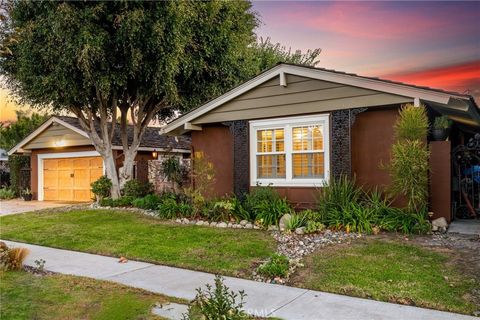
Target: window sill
[(310, 183)]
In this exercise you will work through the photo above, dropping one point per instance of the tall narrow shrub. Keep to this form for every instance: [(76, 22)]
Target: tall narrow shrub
[(409, 161)]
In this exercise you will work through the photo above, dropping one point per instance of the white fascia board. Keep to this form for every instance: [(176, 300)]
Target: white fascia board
[(42, 128), (352, 80), (175, 150), (235, 92)]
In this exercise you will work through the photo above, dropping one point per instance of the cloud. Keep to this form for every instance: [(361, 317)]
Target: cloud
[(462, 77)]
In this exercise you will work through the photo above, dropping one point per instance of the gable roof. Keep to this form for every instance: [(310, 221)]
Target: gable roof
[(151, 140), (456, 101)]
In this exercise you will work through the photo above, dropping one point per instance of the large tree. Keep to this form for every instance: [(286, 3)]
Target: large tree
[(13, 133), (140, 59)]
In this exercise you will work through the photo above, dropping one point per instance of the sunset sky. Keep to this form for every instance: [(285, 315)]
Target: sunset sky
[(435, 44)]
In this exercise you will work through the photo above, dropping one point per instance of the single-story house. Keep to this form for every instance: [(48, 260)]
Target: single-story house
[(295, 127), (64, 161)]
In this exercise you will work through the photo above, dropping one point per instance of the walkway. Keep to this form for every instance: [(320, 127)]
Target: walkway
[(19, 206), (262, 299)]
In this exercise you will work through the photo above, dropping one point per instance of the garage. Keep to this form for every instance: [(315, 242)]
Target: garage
[(69, 179)]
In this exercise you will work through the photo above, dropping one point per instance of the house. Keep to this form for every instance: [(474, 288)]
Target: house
[(295, 127), (64, 161)]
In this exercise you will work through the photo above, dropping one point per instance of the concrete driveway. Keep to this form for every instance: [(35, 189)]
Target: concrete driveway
[(19, 206)]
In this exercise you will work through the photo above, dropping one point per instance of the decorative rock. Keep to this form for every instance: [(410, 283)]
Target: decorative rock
[(256, 227), (272, 228), (283, 221), (185, 220), (222, 225), (300, 230), (243, 223), (199, 223), (213, 224), (249, 226), (440, 223), (192, 222), (178, 220)]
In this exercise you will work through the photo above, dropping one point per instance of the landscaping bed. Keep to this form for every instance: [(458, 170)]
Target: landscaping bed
[(29, 296), (393, 269)]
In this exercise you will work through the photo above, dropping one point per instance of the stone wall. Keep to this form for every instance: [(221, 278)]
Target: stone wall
[(157, 178)]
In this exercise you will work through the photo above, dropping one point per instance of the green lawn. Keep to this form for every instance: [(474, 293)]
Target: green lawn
[(136, 236), (26, 296), (389, 271)]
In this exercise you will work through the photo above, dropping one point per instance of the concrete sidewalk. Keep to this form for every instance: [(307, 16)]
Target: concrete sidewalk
[(262, 299)]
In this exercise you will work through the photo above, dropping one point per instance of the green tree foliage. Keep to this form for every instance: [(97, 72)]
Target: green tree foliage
[(142, 58), (15, 132)]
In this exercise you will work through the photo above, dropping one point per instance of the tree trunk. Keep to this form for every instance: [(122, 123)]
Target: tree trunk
[(127, 169), (111, 172)]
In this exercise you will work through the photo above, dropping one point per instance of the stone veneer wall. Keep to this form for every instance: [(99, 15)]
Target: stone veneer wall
[(157, 178), (241, 161)]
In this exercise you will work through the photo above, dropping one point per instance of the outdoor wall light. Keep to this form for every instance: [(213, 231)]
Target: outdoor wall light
[(155, 154), (59, 143)]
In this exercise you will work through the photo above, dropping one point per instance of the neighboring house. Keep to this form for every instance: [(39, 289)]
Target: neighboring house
[(3, 160), (295, 127), (64, 161)]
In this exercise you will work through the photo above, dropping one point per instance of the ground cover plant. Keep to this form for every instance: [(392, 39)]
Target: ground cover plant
[(28, 296), (392, 271), (276, 266), (137, 236), (7, 193)]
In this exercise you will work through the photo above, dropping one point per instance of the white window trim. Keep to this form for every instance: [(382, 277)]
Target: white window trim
[(287, 123), (61, 155)]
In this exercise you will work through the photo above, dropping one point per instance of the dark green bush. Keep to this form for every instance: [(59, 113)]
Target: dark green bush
[(219, 210), (149, 202), (124, 201), (101, 187), (171, 207), (270, 212), (401, 220), (264, 204), (352, 217), (217, 303), (7, 193), (295, 221), (277, 266), (18, 181), (137, 189), (338, 194)]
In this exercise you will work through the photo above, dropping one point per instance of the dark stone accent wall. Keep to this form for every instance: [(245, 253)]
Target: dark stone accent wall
[(241, 162), (340, 156)]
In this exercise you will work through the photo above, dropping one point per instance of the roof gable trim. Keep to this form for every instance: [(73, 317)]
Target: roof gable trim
[(318, 74)]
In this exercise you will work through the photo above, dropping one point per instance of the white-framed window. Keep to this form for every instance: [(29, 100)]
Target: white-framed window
[(290, 151)]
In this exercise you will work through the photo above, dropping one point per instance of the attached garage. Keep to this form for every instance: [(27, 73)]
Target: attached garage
[(64, 162), (69, 179)]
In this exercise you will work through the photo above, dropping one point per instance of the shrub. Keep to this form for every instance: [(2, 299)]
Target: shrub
[(441, 122), (170, 207), (203, 175), (137, 189), (276, 266), (124, 201), (352, 217), (257, 195), (174, 171), (295, 221), (7, 193), (149, 202), (311, 215), (217, 303), (220, 210), (341, 192), (239, 212), (270, 212), (101, 187), (314, 226), (12, 258), (397, 219), (409, 161), (18, 180), (412, 123)]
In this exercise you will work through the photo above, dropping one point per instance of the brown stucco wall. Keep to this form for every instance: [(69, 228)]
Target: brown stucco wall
[(216, 143), (372, 139), (440, 179)]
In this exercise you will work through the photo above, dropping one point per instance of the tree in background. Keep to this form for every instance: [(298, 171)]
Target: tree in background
[(140, 59), (24, 125)]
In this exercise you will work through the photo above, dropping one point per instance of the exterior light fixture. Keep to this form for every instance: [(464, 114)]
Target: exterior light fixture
[(59, 143), (155, 154)]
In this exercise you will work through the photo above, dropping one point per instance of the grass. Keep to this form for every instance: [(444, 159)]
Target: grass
[(135, 236), (389, 271), (27, 296)]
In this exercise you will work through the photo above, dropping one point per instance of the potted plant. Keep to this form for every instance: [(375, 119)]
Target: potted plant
[(441, 127), (27, 194)]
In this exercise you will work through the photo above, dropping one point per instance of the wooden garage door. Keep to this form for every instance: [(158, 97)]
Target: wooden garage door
[(68, 179)]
